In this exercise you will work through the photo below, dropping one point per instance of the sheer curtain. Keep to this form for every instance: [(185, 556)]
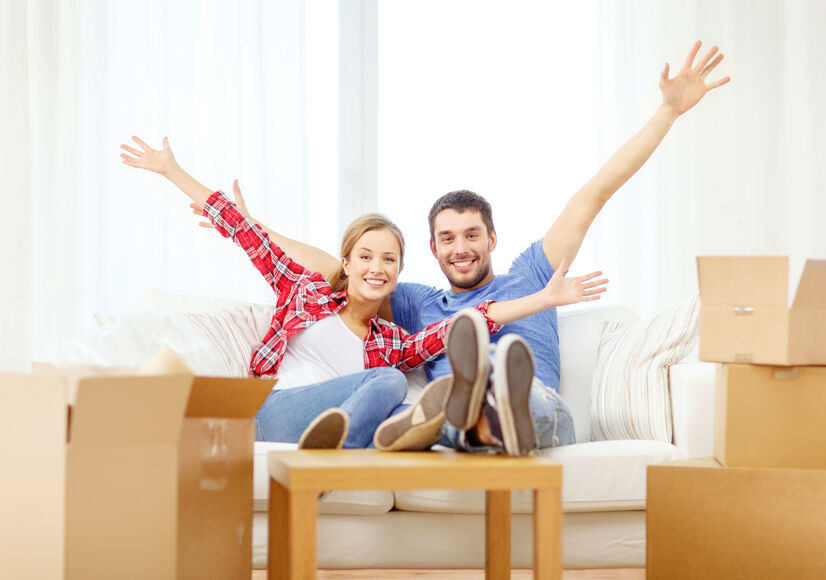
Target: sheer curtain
[(523, 104), (743, 173), (499, 99), (224, 81)]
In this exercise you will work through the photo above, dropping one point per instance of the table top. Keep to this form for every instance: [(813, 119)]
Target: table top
[(371, 469)]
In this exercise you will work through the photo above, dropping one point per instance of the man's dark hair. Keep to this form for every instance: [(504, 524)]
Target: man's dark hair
[(459, 201)]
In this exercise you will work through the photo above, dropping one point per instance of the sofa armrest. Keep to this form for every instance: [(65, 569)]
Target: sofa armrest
[(692, 407)]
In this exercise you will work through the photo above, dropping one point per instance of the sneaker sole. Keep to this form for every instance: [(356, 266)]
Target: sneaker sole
[(467, 350), (419, 426), (327, 431), (513, 377)]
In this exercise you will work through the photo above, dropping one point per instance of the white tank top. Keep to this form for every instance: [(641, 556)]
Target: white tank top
[(325, 350)]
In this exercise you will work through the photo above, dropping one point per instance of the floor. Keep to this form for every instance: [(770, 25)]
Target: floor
[(605, 574)]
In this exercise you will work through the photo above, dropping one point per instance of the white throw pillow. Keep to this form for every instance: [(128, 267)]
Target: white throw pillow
[(629, 394), (218, 343)]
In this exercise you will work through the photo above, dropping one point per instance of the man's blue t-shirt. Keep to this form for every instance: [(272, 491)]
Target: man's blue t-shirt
[(416, 305)]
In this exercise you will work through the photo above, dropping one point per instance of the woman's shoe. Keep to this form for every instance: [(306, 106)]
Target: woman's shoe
[(327, 431), (420, 425), (468, 346)]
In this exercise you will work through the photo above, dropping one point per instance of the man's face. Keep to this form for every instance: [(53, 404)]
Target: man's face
[(462, 244)]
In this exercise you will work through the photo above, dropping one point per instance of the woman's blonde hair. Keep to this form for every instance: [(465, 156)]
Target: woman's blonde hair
[(357, 228)]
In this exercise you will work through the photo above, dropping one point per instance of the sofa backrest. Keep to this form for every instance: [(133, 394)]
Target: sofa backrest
[(580, 331)]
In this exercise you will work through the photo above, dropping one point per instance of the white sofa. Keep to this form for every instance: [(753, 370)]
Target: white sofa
[(603, 484)]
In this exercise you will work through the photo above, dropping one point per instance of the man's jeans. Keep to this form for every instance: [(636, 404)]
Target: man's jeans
[(552, 422), (368, 398)]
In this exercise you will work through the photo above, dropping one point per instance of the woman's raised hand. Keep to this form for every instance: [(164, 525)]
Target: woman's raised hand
[(158, 160)]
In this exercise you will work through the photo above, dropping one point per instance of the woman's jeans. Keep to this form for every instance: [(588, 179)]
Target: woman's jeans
[(368, 397)]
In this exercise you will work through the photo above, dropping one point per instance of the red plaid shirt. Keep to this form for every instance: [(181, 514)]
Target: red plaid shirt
[(303, 297)]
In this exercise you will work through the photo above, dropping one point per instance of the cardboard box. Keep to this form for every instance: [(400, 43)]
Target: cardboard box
[(122, 477), (215, 478), (745, 318), (32, 448), (159, 471), (710, 522), (770, 416)]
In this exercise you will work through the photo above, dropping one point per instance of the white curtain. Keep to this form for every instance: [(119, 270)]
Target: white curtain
[(520, 101), (524, 103), (744, 173), (223, 80)]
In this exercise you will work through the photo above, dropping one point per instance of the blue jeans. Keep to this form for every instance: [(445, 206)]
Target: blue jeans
[(552, 422), (368, 397)]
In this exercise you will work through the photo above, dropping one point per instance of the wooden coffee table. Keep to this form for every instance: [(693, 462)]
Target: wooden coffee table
[(297, 477)]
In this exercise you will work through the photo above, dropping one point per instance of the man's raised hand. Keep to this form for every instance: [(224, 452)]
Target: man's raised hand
[(158, 160), (562, 290), (689, 86)]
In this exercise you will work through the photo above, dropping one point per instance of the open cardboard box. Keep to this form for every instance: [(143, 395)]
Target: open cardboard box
[(710, 522), (215, 477), (745, 317), (159, 475), (770, 416)]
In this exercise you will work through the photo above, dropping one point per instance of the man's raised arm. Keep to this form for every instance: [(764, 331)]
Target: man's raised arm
[(308, 256), (564, 238)]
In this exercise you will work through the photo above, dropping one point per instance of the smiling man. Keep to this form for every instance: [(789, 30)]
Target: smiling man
[(462, 236)]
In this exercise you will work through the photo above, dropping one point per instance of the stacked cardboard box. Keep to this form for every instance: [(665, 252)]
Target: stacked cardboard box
[(154, 479), (758, 509)]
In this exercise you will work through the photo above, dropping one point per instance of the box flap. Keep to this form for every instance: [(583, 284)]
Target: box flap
[(119, 411), (744, 280), (811, 292), (229, 398)]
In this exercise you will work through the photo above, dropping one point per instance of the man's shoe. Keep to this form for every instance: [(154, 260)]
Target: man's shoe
[(420, 425), (327, 431), (511, 380), (468, 346)]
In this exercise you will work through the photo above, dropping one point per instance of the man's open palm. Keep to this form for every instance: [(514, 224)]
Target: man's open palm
[(576, 288), (689, 86)]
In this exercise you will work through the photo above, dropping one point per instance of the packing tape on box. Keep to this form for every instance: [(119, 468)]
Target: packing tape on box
[(214, 454), (785, 373), (742, 310), (743, 357)]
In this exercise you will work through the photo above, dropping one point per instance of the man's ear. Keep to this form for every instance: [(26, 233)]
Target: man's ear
[(433, 249), (492, 241), (345, 264)]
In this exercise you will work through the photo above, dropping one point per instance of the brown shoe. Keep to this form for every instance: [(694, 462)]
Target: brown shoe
[(420, 425), (468, 349), (513, 367), (327, 431)]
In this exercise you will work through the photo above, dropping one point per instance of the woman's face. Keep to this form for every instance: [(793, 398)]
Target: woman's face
[(373, 266)]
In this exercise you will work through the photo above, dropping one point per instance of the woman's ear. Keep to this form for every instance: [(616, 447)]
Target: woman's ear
[(345, 265)]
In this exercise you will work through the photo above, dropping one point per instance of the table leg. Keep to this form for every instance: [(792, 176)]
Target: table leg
[(292, 533), (547, 534), (498, 534)]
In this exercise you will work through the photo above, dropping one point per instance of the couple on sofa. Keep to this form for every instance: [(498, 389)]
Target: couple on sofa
[(337, 359)]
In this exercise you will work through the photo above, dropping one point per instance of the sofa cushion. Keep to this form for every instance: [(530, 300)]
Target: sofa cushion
[(598, 476), (630, 397), (579, 335), (342, 502)]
